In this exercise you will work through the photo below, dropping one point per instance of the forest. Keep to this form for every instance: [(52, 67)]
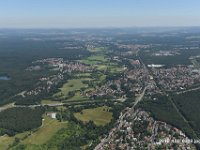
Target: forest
[(163, 109), (19, 50), (19, 119), (189, 104)]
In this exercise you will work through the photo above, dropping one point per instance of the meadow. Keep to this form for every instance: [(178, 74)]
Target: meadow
[(99, 115), (45, 132), (70, 86)]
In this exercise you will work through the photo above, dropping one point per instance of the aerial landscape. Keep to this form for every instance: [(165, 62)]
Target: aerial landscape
[(131, 87)]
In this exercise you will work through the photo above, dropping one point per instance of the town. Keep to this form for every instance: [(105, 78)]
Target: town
[(107, 91)]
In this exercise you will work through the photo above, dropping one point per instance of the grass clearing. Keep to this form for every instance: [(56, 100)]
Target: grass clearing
[(83, 75), (46, 102), (95, 60), (97, 49), (59, 108), (45, 132), (5, 141), (71, 85), (99, 115), (101, 67), (103, 77), (77, 97), (115, 69)]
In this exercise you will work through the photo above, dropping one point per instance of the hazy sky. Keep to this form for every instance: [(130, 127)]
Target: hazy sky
[(98, 13)]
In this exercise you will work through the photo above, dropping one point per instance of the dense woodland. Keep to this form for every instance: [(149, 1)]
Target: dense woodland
[(18, 50), (16, 120), (189, 104), (163, 109)]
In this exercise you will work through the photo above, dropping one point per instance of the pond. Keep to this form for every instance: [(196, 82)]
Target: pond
[(4, 78)]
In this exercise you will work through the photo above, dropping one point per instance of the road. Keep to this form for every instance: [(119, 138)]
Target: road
[(189, 90), (12, 105), (120, 120)]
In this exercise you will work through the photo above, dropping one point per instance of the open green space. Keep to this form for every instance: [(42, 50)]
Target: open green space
[(46, 102), (5, 141), (45, 132), (97, 49), (33, 139), (99, 115), (83, 75), (115, 69), (71, 85), (101, 67), (76, 97), (94, 60), (100, 58)]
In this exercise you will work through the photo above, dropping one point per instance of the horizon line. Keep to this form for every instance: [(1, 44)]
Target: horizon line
[(108, 27)]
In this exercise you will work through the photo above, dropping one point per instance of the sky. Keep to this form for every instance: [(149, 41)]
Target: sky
[(98, 13)]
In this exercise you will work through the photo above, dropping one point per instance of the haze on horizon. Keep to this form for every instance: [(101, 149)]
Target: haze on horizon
[(94, 13)]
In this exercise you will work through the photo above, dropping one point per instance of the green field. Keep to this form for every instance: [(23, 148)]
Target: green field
[(99, 115), (76, 97), (39, 137), (101, 67), (97, 49), (102, 77), (45, 132), (45, 102), (101, 58), (71, 85), (94, 60), (5, 141), (83, 75), (115, 69)]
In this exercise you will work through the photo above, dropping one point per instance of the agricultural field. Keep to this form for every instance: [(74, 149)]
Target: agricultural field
[(99, 115)]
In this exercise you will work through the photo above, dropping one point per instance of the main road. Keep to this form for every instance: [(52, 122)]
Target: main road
[(120, 120)]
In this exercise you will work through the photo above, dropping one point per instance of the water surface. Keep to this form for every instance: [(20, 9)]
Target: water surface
[(4, 78)]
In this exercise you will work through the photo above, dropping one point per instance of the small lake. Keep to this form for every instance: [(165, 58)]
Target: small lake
[(4, 78)]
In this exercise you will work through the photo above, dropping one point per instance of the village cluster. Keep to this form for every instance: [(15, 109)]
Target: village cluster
[(135, 129), (177, 77), (53, 64), (139, 130)]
